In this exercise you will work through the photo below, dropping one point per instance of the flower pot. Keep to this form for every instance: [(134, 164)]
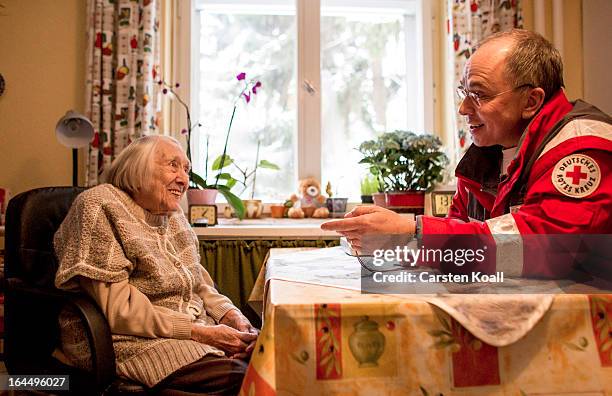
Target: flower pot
[(367, 199), (277, 211), (379, 199), (202, 197), (253, 208), (405, 201), (336, 206)]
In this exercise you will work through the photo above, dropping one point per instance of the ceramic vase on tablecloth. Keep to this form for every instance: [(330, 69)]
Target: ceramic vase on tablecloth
[(367, 343)]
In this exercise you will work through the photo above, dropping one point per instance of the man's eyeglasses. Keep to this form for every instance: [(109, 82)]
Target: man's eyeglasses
[(478, 99)]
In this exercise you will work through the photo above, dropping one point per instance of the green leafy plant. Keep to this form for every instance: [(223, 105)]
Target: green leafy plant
[(369, 185), (403, 160), (247, 177)]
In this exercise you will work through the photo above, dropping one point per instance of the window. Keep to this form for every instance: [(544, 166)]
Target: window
[(334, 73)]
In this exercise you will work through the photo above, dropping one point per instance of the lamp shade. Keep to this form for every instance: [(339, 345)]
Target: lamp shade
[(74, 130)]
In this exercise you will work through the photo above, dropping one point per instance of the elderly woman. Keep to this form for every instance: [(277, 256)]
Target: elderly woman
[(128, 245)]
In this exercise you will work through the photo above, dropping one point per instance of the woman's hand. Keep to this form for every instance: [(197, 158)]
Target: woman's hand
[(234, 318), (238, 321), (234, 343)]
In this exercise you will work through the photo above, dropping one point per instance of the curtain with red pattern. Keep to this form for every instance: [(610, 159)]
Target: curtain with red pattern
[(122, 66), (469, 22)]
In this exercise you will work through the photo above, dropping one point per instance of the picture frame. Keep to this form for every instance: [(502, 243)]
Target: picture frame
[(441, 202), (202, 215)]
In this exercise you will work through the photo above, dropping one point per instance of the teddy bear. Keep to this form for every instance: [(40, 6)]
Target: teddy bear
[(311, 203)]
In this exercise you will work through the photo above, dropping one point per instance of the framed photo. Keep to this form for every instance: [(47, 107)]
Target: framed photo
[(202, 215), (441, 202)]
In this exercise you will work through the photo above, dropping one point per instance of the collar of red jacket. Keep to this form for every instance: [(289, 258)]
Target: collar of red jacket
[(543, 122)]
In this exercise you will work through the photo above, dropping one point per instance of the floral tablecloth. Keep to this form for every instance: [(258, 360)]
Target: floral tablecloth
[(327, 340)]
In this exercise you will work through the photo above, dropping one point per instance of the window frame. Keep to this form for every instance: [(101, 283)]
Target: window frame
[(308, 140)]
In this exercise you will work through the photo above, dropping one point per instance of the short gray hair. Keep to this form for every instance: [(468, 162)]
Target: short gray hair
[(533, 60), (131, 170)]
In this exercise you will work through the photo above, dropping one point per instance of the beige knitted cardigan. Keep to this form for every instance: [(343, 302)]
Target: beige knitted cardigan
[(107, 237)]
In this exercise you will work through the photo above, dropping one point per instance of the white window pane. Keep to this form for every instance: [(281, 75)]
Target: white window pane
[(368, 83), (260, 41)]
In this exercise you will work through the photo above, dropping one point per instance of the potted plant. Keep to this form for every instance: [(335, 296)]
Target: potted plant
[(248, 178), (405, 165), (200, 190), (335, 205), (369, 186)]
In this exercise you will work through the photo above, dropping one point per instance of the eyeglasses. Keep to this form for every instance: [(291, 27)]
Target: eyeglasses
[(478, 99)]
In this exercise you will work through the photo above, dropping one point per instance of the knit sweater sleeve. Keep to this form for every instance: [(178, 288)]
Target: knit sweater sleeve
[(130, 312), (86, 244), (215, 303)]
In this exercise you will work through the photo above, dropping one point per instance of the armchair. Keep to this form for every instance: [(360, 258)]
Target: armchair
[(32, 303)]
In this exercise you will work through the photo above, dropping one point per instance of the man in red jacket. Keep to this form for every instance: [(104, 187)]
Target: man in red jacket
[(539, 165)]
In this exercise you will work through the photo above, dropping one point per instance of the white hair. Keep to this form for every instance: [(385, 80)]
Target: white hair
[(131, 170)]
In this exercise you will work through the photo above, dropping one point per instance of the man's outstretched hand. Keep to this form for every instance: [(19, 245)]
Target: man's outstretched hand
[(364, 220)]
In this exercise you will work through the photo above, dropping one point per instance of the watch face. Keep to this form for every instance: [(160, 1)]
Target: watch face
[(441, 202), (203, 215)]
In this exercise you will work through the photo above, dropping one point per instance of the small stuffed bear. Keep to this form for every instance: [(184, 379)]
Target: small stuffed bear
[(311, 201)]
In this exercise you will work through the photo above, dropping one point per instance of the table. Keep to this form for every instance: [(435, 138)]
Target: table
[(327, 340)]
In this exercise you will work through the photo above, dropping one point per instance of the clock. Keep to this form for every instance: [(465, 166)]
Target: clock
[(203, 215), (441, 202)]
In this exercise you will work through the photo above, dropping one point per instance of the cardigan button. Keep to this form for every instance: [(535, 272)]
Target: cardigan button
[(161, 231), (177, 264)]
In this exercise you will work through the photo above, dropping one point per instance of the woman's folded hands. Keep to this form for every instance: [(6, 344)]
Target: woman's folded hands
[(234, 335)]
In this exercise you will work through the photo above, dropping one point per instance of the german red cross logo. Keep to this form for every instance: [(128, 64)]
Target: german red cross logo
[(576, 176)]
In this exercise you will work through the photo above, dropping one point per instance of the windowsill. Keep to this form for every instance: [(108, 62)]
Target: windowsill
[(266, 228), (269, 228)]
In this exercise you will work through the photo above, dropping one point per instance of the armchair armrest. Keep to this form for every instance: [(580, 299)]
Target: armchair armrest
[(98, 330), (100, 339)]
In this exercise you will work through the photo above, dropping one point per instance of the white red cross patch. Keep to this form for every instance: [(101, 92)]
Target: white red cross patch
[(576, 176)]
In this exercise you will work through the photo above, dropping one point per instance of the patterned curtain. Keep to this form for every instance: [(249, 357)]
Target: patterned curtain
[(471, 21), (122, 65)]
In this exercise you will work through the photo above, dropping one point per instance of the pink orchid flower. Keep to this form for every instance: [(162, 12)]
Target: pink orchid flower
[(241, 76), (257, 85)]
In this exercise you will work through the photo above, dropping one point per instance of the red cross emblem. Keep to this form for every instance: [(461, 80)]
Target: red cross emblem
[(576, 175)]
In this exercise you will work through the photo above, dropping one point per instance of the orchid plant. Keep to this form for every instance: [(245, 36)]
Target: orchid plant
[(249, 177), (224, 160)]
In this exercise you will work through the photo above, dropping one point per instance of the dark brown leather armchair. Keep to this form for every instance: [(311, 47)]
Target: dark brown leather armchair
[(32, 303)]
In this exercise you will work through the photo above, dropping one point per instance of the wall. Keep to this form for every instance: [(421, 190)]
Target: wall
[(597, 36), (572, 50), (42, 47)]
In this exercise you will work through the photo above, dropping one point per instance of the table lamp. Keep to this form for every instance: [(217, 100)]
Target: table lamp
[(74, 130)]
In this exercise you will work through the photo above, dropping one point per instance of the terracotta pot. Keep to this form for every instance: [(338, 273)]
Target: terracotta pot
[(196, 196), (277, 211), (253, 208), (379, 199)]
